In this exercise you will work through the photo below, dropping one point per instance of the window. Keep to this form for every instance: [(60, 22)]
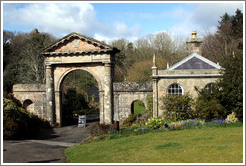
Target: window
[(175, 89), (210, 87)]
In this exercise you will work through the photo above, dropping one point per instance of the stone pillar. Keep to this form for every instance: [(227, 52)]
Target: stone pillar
[(108, 94), (155, 97), (155, 87), (116, 106), (101, 101), (49, 94), (57, 111)]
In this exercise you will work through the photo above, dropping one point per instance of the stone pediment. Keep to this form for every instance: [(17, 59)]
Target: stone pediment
[(75, 43), (195, 62)]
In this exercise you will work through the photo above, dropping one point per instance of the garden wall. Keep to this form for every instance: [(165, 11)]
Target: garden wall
[(33, 97), (125, 93)]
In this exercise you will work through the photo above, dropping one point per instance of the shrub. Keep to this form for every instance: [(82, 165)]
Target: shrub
[(18, 123), (176, 125), (178, 107), (156, 122), (149, 101), (75, 103), (209, 109), (208, 106), (186, 124), (96, 129), (231, 118), (130, 120), (10, 128), (141, 120), (10, 96)]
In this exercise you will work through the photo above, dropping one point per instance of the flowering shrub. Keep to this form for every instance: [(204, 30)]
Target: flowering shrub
[(156, 122), (176, 125), (186, 124), (232, 118)]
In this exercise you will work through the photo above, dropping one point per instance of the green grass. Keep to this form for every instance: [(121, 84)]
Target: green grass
[(139, 107), (206, 145)]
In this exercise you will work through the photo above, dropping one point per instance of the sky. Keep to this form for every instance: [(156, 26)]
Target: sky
[(115, 20)]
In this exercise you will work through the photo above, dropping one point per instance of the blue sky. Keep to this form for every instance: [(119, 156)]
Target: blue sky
[(110, 21)]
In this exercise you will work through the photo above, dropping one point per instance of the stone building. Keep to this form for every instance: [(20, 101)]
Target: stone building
[(79, 52), (182, 77)]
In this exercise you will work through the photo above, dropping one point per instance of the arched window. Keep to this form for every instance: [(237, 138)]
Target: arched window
[(210, 87), (175, 89)]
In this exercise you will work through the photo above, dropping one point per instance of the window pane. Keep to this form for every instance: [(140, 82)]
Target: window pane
[(174, 89)]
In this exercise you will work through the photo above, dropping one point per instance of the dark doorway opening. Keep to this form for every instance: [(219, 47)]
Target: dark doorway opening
[(77, 98)]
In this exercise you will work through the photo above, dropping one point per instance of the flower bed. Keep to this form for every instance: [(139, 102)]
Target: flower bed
[(158, 125)]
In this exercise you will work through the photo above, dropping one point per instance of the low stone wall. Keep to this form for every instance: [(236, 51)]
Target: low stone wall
[(125, 93), (133, 87), (33, 97)]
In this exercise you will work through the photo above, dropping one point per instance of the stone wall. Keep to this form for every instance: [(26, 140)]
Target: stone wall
[(33, 97), (187, 79), (125, 93)]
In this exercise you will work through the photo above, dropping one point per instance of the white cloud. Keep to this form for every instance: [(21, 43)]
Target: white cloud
[(209, 14), (117, 31), (58, 19), (203, 18), (61, 19)]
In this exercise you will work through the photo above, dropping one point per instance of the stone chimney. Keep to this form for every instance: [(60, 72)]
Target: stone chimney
[(194, 44), (34, 31)]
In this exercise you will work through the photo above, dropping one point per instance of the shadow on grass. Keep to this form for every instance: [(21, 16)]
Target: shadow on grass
[(169, 146)]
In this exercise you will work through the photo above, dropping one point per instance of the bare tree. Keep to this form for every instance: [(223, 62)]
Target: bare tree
[(25, 63)]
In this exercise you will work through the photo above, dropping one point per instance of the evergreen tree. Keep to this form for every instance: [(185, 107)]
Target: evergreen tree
[(231, 85)]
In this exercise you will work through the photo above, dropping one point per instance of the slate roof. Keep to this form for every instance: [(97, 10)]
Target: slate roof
[(103, 47), (195, 62)]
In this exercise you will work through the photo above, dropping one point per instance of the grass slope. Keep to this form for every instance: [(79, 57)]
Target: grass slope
[(206, 145)]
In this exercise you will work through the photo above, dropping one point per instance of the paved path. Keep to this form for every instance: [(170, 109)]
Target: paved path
[(48, 148), (49, 145)]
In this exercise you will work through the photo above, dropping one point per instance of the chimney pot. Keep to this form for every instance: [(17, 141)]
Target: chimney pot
[(193, 35)]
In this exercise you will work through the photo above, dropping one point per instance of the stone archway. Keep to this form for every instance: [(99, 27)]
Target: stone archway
[(76, 51), (58, 86)]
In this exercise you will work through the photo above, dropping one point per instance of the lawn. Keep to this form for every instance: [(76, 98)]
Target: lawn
[(205, 145), (139, 107)]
